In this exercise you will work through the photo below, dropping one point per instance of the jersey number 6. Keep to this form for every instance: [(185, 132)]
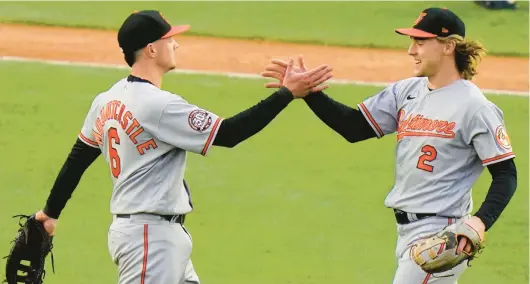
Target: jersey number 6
[(429, 155), (115, 164)]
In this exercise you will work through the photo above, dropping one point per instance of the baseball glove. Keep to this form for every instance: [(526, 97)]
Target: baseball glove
[(25, 262), (438, 253)]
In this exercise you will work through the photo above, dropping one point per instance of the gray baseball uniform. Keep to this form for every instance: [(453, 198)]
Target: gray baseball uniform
[(445, 138), (144, 134)]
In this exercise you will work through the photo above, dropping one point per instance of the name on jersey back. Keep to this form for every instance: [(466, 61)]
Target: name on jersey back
[(115, 110)]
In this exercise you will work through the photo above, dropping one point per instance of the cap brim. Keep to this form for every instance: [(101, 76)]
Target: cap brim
[(415, 33), (175, 30)]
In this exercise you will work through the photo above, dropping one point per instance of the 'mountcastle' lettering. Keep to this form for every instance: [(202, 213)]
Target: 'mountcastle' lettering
[(115, 110)]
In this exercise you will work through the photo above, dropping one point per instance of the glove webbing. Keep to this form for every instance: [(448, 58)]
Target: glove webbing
[(21, 216)]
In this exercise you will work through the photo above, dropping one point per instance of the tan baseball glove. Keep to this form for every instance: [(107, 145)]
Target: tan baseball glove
[(438, 253)]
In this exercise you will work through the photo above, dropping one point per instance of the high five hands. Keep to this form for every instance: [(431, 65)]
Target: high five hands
[(297, 79)]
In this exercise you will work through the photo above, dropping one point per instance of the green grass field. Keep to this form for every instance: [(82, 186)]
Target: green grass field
[(300, 207), (334, 23)]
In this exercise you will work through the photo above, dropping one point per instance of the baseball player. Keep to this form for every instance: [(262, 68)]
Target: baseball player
[(447, 132), (144, 134)]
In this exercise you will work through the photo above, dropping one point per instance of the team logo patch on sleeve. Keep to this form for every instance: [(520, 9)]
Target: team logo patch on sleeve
[(502, 138), (199, 120)]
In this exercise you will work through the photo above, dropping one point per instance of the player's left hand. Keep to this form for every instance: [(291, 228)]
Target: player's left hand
[(48, 222), (277, 68), (455, 243), (27, 256), (301, 84), (477, 224)]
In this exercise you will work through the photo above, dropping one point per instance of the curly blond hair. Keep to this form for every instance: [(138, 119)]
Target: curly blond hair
[(468, 54)]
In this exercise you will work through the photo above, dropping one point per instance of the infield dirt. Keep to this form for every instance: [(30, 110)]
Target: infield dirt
[(245, 56)]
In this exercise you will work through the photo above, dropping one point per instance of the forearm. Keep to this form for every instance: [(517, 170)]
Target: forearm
[(348, 122), (502, 188), (79, 159), (240, 127)]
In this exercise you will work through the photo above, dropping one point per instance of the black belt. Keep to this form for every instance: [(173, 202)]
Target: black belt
[(403, 217), (170, 218)]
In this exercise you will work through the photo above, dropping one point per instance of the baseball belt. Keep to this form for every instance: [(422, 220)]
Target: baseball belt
[(403, 217), (179, 219)]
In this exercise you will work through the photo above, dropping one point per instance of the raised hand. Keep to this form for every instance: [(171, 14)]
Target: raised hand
[(277, 70)]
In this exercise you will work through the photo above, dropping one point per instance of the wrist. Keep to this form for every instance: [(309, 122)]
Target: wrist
[(312, 96), (483, 220), (285, 92), (50, 213)]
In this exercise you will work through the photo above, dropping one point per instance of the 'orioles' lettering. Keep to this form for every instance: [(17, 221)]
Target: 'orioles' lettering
[(418, 125), (115, 110)]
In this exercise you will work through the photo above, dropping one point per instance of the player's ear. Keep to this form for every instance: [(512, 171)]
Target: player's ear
[(449, 47), (150, 49)]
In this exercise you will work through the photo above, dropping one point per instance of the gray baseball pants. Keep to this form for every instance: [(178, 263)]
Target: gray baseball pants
[(150, 250), (408, 272)]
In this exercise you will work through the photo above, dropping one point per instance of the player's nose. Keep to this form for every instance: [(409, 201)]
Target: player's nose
[(175, 45), (412, 49)]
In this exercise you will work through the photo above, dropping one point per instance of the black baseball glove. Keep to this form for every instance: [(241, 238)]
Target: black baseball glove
[(25, 262)]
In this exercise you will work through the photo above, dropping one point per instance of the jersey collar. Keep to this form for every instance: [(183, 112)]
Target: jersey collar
[(132, 78)]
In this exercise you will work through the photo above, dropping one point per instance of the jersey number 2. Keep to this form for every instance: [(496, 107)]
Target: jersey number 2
[(115, 164), (429, 155)]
